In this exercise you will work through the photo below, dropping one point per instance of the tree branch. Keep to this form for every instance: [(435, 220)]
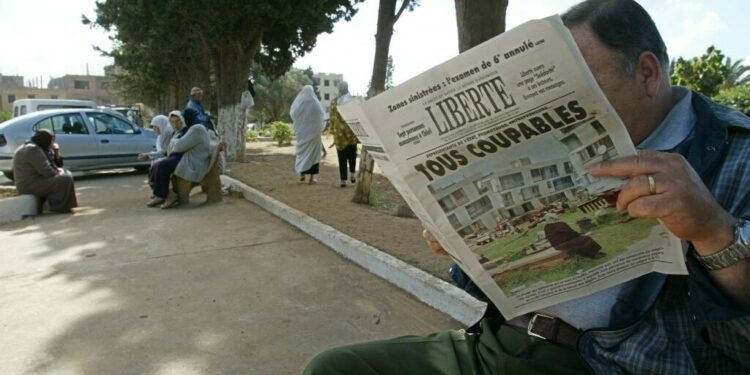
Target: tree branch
[(404, 5)]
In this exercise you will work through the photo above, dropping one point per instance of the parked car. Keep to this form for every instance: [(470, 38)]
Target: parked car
[(89, 139), (24, 106)]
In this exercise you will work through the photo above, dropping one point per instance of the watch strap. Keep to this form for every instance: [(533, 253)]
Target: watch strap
[(732, 254)]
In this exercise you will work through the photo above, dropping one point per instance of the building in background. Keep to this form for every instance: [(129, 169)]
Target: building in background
[(14, 87), (327, 85), (69, 86)]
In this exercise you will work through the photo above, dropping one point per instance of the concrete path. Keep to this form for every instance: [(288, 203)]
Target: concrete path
[(119, 288)]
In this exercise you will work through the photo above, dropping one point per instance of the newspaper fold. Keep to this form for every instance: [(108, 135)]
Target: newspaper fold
[(490, 149)]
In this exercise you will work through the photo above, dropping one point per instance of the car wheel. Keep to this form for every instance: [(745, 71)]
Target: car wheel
[(8, 175)]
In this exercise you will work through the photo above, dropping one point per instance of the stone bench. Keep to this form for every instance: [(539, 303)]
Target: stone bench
[(19, 207), (211, 183)]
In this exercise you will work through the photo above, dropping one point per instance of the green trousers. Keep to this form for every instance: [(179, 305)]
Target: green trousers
[(496, 349)]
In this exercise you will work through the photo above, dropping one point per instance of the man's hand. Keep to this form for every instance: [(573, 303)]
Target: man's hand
[(684, 205), (433, 243), (680, 200)]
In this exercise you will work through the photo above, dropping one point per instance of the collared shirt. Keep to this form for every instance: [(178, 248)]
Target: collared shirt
[(691, 326)]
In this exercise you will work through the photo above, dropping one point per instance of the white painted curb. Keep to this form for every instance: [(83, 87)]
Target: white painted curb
[(429, 289), (17, 208)]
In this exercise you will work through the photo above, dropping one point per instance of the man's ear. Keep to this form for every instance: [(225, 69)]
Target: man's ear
[(649, 73)]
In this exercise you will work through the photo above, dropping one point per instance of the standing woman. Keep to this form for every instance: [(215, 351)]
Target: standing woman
[(309, 120), (343, 136), (36, 173)]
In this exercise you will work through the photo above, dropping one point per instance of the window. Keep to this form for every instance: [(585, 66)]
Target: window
[(569, 168), (459, 196), (11, 98), (106, 124), (53, 97), (544, 173), (572, 142), (511, 181), (326, 83), (336, 82), (478, 207), (599, 147), (598, 127), (81, 85), (71, 123), (31, 96), (482, 186), (454, 221), (104, 85), (530, 192), (447, 204), (23, 110), (327, 96), (507, 199), (563, 183)]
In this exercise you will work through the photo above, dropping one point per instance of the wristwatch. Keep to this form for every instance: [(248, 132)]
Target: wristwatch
[(733, 253)]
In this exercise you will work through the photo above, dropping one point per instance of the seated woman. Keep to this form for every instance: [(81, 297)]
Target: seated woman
[(164, 131), (160, 174), (36, 173), (192, 143)]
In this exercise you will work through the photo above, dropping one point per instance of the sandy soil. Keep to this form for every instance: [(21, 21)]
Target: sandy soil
[(270, 169)]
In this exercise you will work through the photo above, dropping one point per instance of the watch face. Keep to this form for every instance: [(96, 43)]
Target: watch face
[(743, 232)]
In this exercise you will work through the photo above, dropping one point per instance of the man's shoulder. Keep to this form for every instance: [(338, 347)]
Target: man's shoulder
[(727, 116)]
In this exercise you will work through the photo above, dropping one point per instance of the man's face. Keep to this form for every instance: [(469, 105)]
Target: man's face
[(198, 96), (620, 89)]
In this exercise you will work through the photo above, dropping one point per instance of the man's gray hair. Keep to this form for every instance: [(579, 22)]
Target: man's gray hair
[(196, 90), (622, 25)]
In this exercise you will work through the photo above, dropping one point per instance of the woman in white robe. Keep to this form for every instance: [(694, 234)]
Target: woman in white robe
[(309, 120)]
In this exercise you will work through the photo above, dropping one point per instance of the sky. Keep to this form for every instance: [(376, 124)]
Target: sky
[(45, 38)]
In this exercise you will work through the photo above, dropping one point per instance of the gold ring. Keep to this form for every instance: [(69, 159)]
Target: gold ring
[(651, 184)]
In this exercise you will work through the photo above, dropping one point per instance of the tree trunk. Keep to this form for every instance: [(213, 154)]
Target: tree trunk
[(231, 127), (478, 21), (232, 61), (387, 17)]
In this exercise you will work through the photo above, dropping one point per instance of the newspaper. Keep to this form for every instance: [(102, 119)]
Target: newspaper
[(490, 150)]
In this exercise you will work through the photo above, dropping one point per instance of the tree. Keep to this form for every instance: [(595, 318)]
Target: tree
[(737, 97), (278, 94), (389, 74), (227, 35), (736, 74), (478, 21), (704, 74), (387, 17)]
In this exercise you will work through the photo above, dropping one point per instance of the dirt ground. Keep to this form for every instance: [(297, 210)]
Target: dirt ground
[(270, 169)]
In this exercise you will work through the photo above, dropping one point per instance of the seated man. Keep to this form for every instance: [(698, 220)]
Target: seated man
[(692, 174), (37, 174)]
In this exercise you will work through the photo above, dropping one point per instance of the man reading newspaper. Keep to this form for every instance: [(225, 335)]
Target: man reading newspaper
[(692, 173)]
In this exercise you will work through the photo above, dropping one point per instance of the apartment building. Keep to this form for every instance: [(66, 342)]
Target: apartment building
[(485, 201), (327, 85), (13, 87), (84, 87)]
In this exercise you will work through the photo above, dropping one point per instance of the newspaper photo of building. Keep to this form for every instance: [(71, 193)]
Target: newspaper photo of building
[(537, 215)]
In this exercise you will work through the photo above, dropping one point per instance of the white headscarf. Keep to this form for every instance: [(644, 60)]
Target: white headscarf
[(307, 115), (174, 137), (165, 132)]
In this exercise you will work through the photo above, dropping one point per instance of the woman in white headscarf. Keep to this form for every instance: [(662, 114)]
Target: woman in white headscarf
[(309, 120), (164, 131)]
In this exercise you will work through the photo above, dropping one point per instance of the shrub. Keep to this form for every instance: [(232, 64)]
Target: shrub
[(281, 132), (251, 135), (737, 97), (5, 116)]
